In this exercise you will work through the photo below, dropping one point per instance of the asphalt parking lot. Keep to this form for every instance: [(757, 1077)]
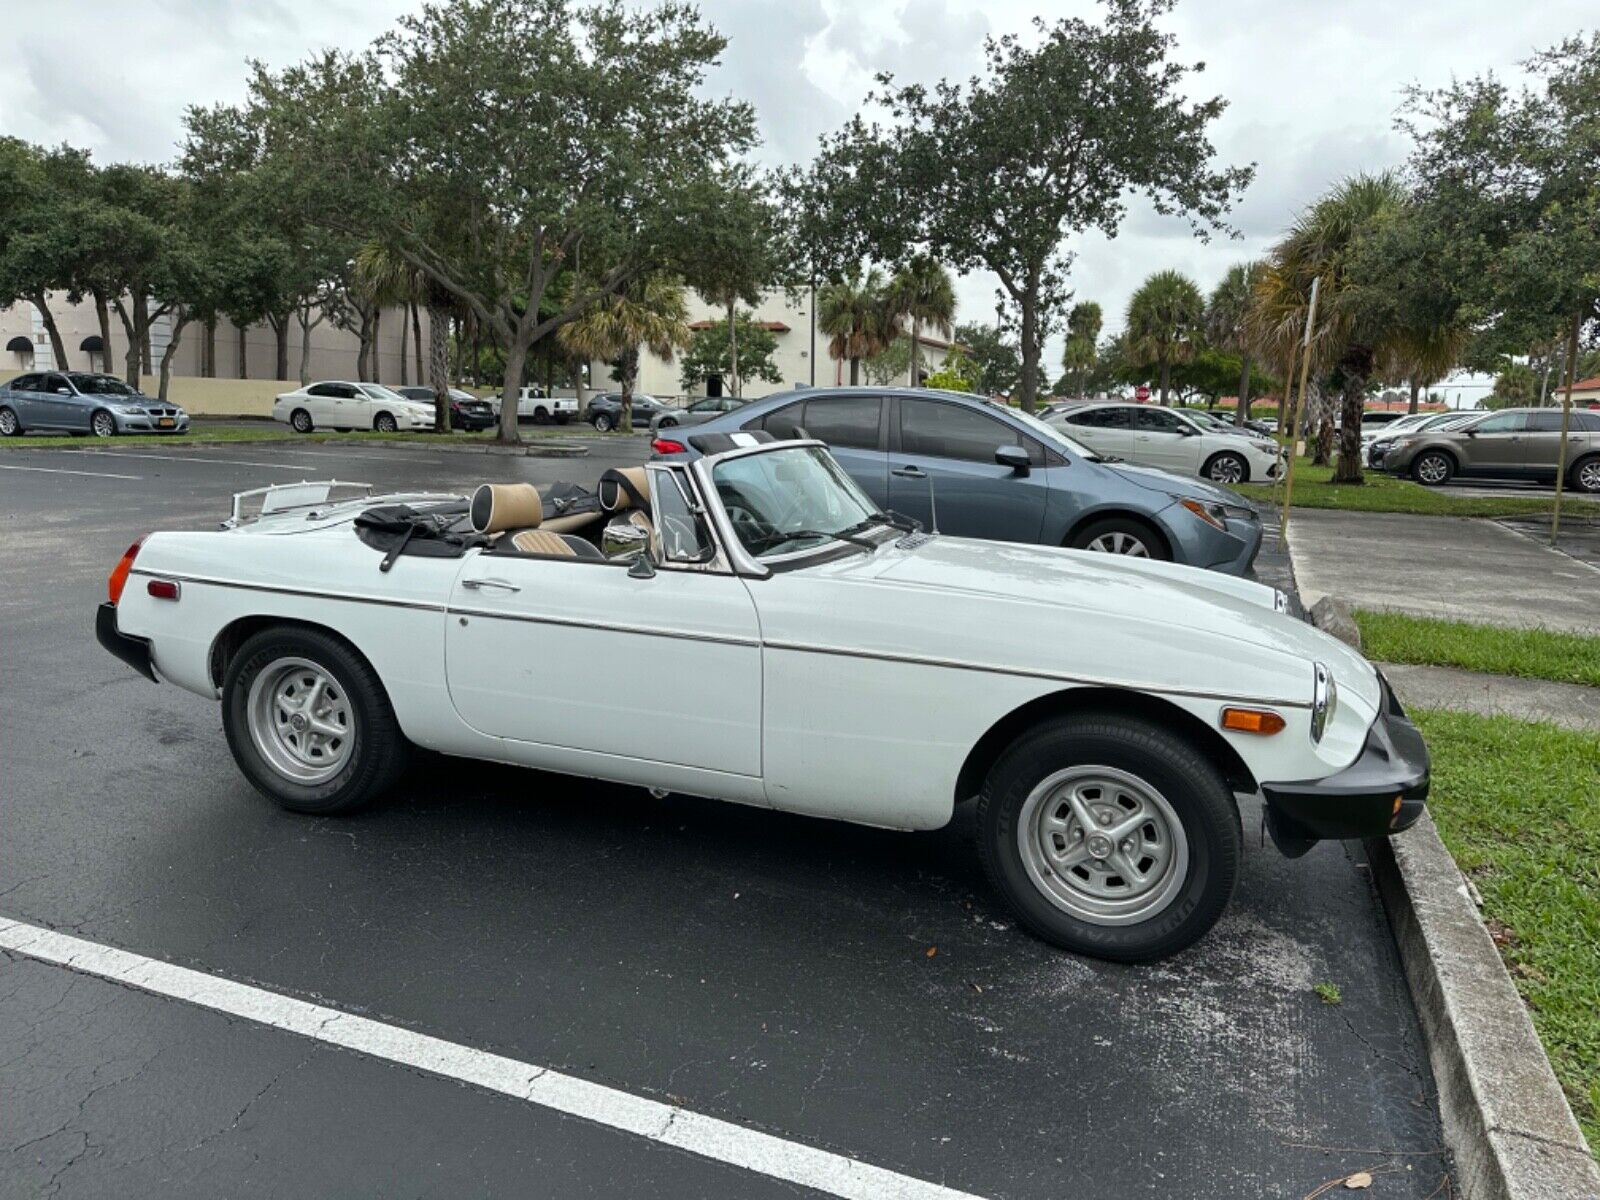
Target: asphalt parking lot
[(834, 987)]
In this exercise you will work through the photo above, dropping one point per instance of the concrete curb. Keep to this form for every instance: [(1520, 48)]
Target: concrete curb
[(1505, 1118)]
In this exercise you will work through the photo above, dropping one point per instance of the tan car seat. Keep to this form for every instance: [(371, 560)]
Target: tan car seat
[(515, 511)]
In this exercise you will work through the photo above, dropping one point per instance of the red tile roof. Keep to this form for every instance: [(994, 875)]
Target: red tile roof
[(770, 326), (1583, 385)]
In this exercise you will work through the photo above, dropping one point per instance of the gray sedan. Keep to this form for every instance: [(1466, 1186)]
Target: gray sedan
[(973, 468), (697, 413), (82, 402)]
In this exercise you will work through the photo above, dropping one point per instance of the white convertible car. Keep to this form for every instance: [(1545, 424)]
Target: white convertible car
[(802, 650)]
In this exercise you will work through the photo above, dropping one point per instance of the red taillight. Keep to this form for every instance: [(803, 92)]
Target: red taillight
[(119, 573), (163, 589), (667, 446)]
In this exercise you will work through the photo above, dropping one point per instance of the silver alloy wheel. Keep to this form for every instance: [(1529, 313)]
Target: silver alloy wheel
[(602, 423), (300, 720), (301, 421), (1227, 468), (8, 423), (1588, 473), (385, 423), (103, 424), (1432, 468), (1119, 542), (1102, 845)]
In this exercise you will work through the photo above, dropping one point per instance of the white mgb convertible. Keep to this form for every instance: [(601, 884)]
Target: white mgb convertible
[(751, 627)]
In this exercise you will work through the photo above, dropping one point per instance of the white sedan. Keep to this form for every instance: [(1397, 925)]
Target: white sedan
[(750, 626), (1151, 436), (339, 404)]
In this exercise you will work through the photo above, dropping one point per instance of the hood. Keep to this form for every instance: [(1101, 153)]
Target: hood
[(1180, 486)]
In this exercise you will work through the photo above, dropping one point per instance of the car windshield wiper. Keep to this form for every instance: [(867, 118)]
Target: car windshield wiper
[(779, 538), (887, 517)]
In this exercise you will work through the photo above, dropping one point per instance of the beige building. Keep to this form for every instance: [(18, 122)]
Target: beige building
[(333, 351), (801, 357)]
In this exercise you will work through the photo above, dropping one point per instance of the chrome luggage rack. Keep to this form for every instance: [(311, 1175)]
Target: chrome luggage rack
[(279, 497)]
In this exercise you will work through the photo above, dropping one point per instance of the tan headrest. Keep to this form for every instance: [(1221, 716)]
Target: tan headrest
[(497, 507), (624, 487)]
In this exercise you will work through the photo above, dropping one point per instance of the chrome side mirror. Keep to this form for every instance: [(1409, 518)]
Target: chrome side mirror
[(623, 540)]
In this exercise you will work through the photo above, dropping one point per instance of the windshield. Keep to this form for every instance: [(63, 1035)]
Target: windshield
[(781, 501), (378, 392), (101, 385)]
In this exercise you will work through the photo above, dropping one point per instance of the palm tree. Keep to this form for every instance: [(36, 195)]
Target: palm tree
[(385, 278), (1084, 323), (1163, 325), (1356, 333), (922, 291), (1227, 323), (648, 313), (857, 318)]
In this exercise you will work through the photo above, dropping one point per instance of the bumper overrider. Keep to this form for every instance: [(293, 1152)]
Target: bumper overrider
[(1382, 792), (135, 651)]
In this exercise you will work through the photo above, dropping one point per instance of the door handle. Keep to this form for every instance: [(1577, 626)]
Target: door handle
[(477, 584), (909, 472)]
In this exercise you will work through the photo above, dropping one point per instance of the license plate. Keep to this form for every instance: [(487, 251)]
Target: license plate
[(165, 422)]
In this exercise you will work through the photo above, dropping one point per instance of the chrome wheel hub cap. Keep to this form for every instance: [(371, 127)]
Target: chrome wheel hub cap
[(1120, 543), (8, 423), (1102, 845), (300, 720), (1226, 470), (103, 426), (1589, 477), (1431, 469)]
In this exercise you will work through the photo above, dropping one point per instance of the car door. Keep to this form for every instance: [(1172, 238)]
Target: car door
[(62, 406), (1496, 444), (20, 396), (852, 426), (1163, 439), (950, 447), (1541, 442), (586, 655), (1107, 430)]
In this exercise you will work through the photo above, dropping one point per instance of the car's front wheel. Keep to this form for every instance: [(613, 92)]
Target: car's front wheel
[(1228, 468), (385, 423), (1432, 468), (602, 423), (1120, 535), (309, 723), (9, 425), (1110, 836), (300, 421), (103, 424)]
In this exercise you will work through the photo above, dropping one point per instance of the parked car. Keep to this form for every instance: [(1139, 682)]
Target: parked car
[(1377, 443), (697, 413), (533, 405), (803, 651), (1151, 436), (339, 404), (467, 412), (605, 410), (83, 402), (975, 468), (1514, 443), (1219, 423)]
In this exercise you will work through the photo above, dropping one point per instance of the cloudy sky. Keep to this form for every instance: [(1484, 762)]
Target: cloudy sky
[(1312, 86)]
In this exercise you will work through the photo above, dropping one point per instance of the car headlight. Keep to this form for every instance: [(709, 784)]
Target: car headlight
[(1215, 515), (133, 410), (1324, 700)]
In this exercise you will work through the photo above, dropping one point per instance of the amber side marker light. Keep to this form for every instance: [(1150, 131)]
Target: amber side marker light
[(1252, 720), (118, 578)]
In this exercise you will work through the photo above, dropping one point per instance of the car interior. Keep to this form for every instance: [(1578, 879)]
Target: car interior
[(513, 517)]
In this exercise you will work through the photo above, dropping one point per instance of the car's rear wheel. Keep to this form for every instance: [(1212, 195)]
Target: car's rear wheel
[(1110, 836), (1432, 468), (385, 423), (9, 425), (602, 423), (300, 421), (103, 424), (667, 423), (1120, 535), (1227, 467), (309, 723), (1585, 472)]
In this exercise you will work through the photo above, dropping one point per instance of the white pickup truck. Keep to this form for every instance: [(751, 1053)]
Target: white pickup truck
[(534, 406)]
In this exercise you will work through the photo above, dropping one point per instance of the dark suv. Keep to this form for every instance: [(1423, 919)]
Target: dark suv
[(1514, 443), (605, 410)]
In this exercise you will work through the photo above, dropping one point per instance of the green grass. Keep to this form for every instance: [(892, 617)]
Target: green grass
[(207, 436), (1328, 993), (1518, 805), (1529, 653), (1313, 488)]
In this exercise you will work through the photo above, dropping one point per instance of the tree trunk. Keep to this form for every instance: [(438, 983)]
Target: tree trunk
[(179, 320), (102, 312), (244, 359), (305, 345), (511, 386), (208, 349), (1241, 411), (855, 371), (1166, 380), (404, 333), (1566, 425), (377, 330), (416, 339), (1028, 388), (628, 368), (141, 320), (280, 326), (916, 354), (1416, 388), (439, 375), (1348, 468), (363, 344), (733, 349), (57, 348), (1320, 420)]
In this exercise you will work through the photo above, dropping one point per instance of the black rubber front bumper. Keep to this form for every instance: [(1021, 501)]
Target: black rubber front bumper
[(135, 651), (1382, 792)]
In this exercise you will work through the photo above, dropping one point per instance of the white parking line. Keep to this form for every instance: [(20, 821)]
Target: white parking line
[(64, 471), (667, 1124), (192, 458), (410, 458)]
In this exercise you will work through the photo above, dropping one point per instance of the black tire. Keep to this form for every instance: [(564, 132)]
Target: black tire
[(385, 423), (667, 423), (9, 425), (1585, 475), (102, 424), (562, 418), (1184, 905), (378, 751), (1112, 532), (1227, 468), (603, 423), (300, 421), (1433, 468)]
